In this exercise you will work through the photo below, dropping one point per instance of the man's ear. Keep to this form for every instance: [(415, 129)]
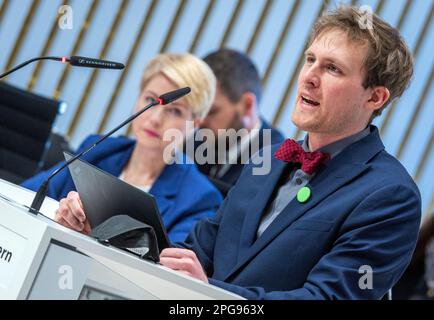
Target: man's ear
[(248, 113), (248, 104), (379, 96)]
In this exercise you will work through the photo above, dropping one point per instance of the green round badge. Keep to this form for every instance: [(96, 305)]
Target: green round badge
[(303, 194)]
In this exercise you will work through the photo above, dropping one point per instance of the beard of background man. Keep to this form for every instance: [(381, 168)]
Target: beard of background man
[(222, 139)]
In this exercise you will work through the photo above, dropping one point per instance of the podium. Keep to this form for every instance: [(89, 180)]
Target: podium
[(40, 259)]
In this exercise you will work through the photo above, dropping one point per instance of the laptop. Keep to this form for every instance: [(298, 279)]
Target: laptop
[(104, 196)]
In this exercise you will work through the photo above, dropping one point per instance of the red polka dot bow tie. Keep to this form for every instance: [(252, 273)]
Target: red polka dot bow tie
[(291, 151)]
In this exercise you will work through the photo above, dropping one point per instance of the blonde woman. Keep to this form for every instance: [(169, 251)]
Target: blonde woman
[(183, 195)]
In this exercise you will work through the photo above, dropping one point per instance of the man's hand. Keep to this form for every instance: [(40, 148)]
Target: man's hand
[(183, 260), (71, 214)]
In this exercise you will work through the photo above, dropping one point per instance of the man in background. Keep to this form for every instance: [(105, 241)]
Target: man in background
[(235, 107)]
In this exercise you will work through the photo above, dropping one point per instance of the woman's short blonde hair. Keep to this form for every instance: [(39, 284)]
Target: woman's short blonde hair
[(185, 70)]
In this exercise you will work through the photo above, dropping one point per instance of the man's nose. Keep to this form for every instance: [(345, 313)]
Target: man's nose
[(310, 77)]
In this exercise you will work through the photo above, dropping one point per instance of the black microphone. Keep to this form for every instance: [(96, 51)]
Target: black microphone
[(162, 100), (174, 95), (74, 61), (94, 63)]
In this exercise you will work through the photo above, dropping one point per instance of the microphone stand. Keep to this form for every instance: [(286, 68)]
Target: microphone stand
[(42, 191), (77, 61), (30, 61)]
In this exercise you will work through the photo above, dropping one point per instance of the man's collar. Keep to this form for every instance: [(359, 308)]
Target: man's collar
[(336, 147)]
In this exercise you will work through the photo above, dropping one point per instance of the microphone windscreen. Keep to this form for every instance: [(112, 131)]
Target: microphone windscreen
[(173, 95), (79, 61)]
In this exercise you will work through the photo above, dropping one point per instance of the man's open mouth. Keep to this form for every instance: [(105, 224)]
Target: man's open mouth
[(309, 101)]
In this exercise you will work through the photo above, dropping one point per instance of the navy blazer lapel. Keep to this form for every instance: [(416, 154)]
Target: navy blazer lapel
[(257, 205), (320, 188), (345, 167)]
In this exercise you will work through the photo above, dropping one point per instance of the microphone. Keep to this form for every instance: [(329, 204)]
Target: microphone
[(174, 95), (94, 63), (162, 100), (73, 61)]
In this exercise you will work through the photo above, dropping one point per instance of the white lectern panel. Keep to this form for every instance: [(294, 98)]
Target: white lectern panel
[(40, 259)]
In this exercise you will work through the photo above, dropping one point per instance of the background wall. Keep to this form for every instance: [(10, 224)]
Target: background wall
[(272, 32)]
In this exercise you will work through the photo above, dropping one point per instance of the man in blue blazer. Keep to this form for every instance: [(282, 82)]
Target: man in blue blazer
[(182, 193), (337, 217)]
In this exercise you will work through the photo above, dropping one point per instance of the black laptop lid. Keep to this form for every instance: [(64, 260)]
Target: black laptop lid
[(104, 196)]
